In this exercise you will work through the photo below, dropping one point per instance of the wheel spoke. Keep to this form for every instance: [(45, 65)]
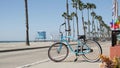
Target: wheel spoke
[(95, 51), (58, 52)]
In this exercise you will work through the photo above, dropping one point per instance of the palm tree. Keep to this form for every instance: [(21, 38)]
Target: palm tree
[(69, 30), (107, 28), (93, 14), (82, 6), (85, 26), (97, 17), (119, 18), (100, 22), (73, 14), (103, 29), (93, 6), (27, 25), (88, 8), (75, 5), (97, 30)]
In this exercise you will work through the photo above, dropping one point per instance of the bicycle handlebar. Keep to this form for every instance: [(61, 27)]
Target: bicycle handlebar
[(65, 28), (60, 27)]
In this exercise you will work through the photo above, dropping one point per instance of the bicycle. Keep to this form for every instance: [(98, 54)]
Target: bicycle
[(89, 49)]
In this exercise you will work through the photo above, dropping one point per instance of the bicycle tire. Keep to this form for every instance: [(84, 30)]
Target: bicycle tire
[(56, 56), (95, 53)]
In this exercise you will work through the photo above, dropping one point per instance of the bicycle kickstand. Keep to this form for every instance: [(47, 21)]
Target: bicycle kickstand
[(76, 58)]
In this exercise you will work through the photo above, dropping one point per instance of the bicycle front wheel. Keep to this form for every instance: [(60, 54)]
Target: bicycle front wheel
[(58, 52), (94, 53)]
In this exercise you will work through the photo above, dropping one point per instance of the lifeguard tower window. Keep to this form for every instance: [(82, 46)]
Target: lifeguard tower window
[(114, 36)]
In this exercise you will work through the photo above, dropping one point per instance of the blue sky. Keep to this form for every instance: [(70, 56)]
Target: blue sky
[(44, 15)]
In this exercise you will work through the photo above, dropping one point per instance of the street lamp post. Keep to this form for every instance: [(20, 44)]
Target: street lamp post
[(27, 25)]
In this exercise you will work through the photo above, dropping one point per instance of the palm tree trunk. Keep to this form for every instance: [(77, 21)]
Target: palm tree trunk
[(93, 34), (83, 23), (65, 28), (77, 22), (88, 25), (69, 30), (27, 25), (73, 28)]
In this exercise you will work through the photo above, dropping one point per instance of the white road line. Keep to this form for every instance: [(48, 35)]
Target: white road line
[(35, 63), (38, 62)]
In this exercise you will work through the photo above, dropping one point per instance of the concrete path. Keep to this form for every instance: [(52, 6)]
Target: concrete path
[(46, 63), (8, 47), (69, 62)]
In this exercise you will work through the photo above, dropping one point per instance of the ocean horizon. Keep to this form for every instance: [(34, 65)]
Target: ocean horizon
[(29, 41), (11, 41)]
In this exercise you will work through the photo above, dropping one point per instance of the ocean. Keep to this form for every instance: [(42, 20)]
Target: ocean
[(29, 41), (11, 41)]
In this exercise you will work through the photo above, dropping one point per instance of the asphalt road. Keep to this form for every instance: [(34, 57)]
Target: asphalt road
[(19, 58)]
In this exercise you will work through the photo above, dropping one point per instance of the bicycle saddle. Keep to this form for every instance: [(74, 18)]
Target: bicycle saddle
[(81, 37)]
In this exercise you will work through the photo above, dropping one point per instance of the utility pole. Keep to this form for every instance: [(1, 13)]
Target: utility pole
[(27, 25)]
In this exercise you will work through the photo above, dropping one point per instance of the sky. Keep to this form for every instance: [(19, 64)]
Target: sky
[(44, 15)]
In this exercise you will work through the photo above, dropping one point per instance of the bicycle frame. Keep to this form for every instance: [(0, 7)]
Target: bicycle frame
[(79, 43), (63, 39)]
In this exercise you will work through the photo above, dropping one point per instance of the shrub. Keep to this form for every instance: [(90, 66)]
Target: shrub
[(109, 63)]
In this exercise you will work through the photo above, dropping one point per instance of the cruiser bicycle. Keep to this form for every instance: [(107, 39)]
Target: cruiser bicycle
[(90, 50)]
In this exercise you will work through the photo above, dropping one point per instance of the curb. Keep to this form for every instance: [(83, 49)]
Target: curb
[(21, 49)]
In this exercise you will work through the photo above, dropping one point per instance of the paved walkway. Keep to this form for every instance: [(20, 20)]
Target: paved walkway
[(68, 63), (46, 63), (8, 47)]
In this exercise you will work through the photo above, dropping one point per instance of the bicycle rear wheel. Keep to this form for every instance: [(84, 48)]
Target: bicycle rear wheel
[(58, 52), (95, 51)]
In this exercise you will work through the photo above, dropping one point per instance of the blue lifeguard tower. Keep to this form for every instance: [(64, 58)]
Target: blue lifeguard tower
[(41, 36)]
